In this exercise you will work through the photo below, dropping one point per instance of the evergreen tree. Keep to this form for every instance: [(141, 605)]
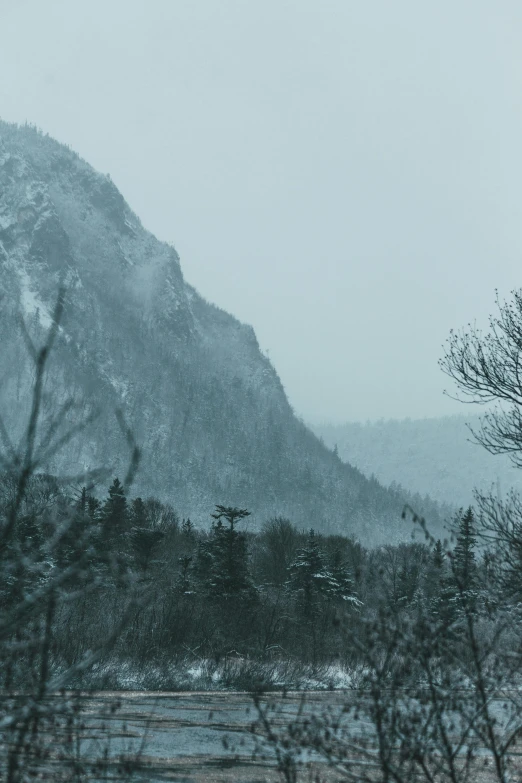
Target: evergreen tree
[(183, 584), (144, 539), (81, 503), (406, 585), (115, 512), (440, 587), (438, 555), (308, 566), (309, 576), (463, 559), (188, 538), (138, 513), (414, 558), (144, 542), (187, 528), (341, 582), (93, 508), (435, 577), (232, 514), (87, 504), (222, 565), (84, 524)]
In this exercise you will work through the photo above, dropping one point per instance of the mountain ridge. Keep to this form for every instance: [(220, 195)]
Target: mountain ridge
[(435, 455), (205, 403)]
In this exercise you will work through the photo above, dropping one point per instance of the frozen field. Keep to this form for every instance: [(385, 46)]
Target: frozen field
[(190, 736), (205, 736)]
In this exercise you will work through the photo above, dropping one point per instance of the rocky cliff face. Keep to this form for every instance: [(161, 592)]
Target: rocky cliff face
[(204, 403)]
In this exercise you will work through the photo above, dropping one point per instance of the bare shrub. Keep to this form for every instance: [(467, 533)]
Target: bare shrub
[(52, 570)]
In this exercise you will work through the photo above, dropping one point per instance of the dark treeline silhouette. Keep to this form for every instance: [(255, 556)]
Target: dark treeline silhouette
[(278, 594)]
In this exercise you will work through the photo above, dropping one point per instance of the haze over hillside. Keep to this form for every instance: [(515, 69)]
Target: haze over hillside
[(205, 404), (431, 456), (355, 164)]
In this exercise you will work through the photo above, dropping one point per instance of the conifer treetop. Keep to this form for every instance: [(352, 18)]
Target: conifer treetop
[(232, 514)]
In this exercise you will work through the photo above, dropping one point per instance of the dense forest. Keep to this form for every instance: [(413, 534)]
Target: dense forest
[(205, 595)]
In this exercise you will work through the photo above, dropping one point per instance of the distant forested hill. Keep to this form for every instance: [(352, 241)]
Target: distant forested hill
[(433, 456)]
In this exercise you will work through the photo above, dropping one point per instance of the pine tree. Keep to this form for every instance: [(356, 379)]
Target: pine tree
[(93, 508), (183, 584), (232, 514), (144, 542), (115, 512), (309, 562), (187, 528), (435, 577), (87, 504), (84, 525), (440, 587), (413, 560), (81, 503), (309, 577), (138, 513), (144, 538), (463, 559), (341, 582), (438, 555), (222, 565)]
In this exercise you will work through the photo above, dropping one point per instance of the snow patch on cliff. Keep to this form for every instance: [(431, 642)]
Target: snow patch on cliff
[(30, 302)]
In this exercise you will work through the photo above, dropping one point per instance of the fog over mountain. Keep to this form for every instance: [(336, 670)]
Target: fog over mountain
[(345, 176), (205, 404), (436, 456)]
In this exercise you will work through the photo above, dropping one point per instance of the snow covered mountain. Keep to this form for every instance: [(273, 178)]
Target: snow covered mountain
[(204, 403)]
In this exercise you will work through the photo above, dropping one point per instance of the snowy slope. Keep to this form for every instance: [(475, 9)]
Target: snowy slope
[(205, 404)]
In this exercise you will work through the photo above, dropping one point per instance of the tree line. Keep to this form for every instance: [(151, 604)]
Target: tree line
[(207, 594)]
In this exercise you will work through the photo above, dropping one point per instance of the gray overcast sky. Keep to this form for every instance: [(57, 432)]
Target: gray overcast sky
[(345, 175)]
